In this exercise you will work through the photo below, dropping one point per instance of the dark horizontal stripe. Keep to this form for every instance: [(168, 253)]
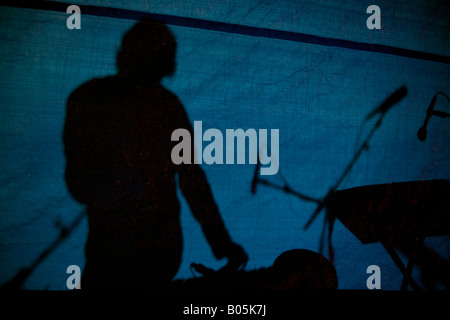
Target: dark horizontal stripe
[(230, 28)]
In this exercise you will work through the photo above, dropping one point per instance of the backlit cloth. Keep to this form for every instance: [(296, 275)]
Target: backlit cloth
[(317, 93)]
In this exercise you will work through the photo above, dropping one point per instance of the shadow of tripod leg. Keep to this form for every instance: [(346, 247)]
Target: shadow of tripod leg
[(404, 270), (434, 267)]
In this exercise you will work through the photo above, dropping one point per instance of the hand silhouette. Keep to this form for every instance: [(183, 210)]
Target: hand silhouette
[(237, 259)]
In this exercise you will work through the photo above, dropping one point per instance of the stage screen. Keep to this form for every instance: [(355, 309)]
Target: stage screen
[(316, 71)]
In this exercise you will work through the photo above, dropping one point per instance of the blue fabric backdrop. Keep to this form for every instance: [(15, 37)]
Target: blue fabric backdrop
[(317, 95)]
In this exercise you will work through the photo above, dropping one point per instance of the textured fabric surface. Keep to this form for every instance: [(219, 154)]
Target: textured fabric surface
[(317, 95)]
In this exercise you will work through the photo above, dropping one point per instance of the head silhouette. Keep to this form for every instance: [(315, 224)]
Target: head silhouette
[(148, 51)]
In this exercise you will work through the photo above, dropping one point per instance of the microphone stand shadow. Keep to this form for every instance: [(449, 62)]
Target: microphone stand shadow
[(422, 133), (22, 275)]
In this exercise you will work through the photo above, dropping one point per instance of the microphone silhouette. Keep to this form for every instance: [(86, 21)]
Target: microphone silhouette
[(422, 133), (398, 95)]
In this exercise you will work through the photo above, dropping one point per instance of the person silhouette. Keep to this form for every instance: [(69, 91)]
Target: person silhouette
[(117, 143)]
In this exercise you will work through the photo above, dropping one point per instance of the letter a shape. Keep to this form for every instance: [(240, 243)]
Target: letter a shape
[(374, 21), (374, 281), (73, 281), (74, 21)]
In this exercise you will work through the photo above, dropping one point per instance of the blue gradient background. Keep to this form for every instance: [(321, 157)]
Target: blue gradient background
[(317, 96)]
